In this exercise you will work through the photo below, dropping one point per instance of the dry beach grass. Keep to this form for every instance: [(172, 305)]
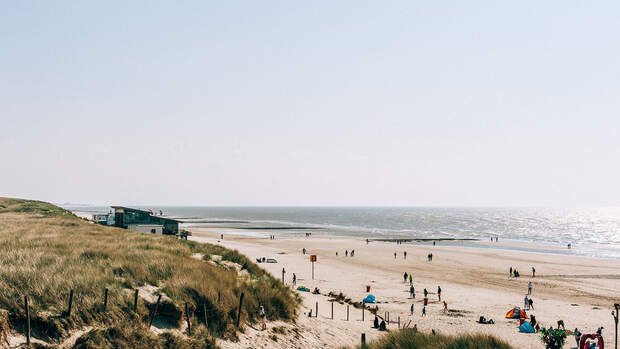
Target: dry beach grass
[(47, 251)]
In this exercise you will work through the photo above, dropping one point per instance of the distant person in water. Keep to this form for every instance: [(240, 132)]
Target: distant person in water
[(434, 242), (366, 241), (569, 246)]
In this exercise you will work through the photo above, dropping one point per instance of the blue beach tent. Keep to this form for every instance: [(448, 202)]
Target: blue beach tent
[(369, 299)]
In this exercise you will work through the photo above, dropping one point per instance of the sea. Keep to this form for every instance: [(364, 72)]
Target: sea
[(593, 232)]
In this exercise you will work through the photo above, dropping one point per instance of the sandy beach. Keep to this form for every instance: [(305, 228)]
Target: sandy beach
[(474, 282)]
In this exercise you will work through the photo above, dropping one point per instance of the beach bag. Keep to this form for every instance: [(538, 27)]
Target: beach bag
[(526, 328), (369, 299)]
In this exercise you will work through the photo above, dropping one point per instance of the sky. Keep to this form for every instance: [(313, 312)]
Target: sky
[(338, 103)]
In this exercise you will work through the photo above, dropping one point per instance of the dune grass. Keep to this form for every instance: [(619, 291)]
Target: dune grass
[(46, 251), (408, 339)]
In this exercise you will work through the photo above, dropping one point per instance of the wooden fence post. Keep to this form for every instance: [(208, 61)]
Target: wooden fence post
[(135, 301), (189, 325), (399, 322), (204, 311), (363, 340), (332, 310), (240, 305), (154, 312), (105, 299), (316, 314), (347, 312), (363, 307), (70, 303), (27, 306)]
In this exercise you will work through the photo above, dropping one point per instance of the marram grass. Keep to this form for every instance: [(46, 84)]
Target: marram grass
[(408, 339), (45, 251)]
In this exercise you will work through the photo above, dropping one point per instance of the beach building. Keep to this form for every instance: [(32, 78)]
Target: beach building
[(126, 216), (147, 228)]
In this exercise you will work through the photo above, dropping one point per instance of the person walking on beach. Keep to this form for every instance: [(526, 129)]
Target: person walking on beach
[(445, 306), (529, 288), (510, 271), (526, 303), (352, 253), (424, 311), (531, 303), (294, 279), (411, 279), (411, 309), (405, 277), (425, 293), (394, 255), (303, 250), (411, 291), (262, 317), (439, 292), (405, 254), (346, 253)]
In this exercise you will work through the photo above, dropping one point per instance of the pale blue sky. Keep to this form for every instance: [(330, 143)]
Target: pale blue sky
[(488, 103)]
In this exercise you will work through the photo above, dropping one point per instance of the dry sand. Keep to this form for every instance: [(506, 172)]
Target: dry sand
[(474, 281)]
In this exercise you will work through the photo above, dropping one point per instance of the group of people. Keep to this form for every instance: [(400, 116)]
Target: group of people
[(347, 254), (404, 255), (272, 237), (429, 257)]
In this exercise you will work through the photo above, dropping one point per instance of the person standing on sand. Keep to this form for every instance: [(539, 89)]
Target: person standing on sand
[(526, 303), (445, 306), (425, 293), (529, 288), (352, 253), (405, 277), (510, 271), (303, 250), (346, 253), (531, 303), (405, 254), (394, 255), (439, 292), (411, 279), (533, 272), (262, 317), (424, 311), (294, 279), (412, 291), (411, 309)]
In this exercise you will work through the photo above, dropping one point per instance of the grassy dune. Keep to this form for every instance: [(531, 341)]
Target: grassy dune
[(408, 339), (46, 251)]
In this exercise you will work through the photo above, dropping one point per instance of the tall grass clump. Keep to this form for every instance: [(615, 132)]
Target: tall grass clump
[(409, 339), (47, 251)]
